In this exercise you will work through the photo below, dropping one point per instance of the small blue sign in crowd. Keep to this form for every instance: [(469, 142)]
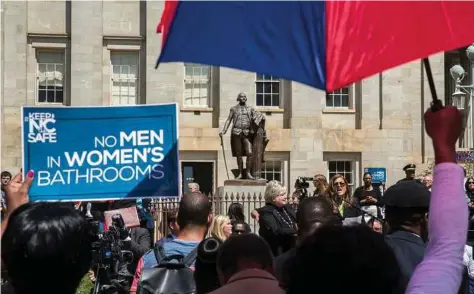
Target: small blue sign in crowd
[(379, 174), (101, 153)]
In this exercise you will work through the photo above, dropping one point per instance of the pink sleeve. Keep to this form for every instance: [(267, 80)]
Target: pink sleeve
[(442, 267), (136, 277)]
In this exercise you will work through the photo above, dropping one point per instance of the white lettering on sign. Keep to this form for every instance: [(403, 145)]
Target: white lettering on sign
[(41, 127)]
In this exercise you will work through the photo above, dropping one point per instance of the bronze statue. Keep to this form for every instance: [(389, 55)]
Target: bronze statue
[(259, 143), (244, 128)]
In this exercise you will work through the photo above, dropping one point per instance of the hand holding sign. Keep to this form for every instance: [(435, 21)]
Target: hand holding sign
[(17, 191), (16, 194)]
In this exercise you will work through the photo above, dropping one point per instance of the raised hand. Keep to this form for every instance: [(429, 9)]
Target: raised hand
[(17, 191), (444, 127)]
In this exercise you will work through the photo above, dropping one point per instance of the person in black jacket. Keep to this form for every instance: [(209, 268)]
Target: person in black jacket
[(406, 212), (368, 198), (277, 219)]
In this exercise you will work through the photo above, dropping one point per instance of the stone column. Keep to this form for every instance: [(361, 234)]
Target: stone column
[(306, 156), (165, 83), (86, 53), (13, 54)]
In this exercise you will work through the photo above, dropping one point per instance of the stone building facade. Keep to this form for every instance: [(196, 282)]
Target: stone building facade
[(78, 53)]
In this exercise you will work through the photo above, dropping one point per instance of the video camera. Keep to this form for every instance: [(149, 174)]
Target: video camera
[(108, 258), (302, 184)]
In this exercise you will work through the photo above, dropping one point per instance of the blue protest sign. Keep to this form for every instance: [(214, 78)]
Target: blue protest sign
[(101, 153), (379, 174)]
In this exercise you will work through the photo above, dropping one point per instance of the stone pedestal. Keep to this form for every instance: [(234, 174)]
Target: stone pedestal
[(241, 187), (250, 193)]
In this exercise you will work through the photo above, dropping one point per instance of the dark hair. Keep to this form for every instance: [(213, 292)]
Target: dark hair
[(236, 212), (45, 239), (312, 213), (6, 174), (398, 217), (373, 220), (240, 222), (194, 210), (362, 252), (205, 273), (171, 216), (466, 185), (366, 173), (241, 249)]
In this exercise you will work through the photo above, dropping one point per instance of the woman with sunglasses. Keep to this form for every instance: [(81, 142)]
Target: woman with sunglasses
[(339, 195)]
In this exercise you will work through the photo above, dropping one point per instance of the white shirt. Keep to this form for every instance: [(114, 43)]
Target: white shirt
[(468, 261)]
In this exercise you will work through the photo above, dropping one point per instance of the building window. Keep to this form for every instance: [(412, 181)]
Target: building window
[(344, 168), (267, 91), (272, 171), (124, 83), (197, 84), (338, 98), (50, 76)]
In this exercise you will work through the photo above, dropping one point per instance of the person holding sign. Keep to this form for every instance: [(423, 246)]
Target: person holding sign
[(34, 246)]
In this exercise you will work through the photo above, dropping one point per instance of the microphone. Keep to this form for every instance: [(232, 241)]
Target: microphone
[(362, 211), (88, 212)]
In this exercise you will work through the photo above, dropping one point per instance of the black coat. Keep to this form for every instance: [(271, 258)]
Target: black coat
[(139, 244), (274, 230), (409, 251)]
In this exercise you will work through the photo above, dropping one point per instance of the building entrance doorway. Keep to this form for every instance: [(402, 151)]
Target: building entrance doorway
[(198, 172)]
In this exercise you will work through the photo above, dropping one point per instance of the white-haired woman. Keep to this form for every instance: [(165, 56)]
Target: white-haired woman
[(277, 219)]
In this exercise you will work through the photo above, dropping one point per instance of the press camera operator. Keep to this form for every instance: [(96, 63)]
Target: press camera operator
[(301, 188), (137, 241)]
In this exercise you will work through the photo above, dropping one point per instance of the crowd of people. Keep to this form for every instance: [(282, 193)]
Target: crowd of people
[(410, 240)]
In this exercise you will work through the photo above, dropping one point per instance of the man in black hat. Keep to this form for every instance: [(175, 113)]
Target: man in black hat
[(409, 170), (406, 213)]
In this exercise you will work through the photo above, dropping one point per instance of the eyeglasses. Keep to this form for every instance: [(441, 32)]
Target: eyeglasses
[(470, 183), (341, 184)]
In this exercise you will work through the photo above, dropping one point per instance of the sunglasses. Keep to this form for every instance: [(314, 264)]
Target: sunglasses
[(341, 184), (470, 183)]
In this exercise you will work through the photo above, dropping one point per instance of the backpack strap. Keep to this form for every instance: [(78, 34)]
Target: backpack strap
[(159, 252), (190, 258)]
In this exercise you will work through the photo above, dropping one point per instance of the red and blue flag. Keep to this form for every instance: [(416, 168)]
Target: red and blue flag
[(324, 44)]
